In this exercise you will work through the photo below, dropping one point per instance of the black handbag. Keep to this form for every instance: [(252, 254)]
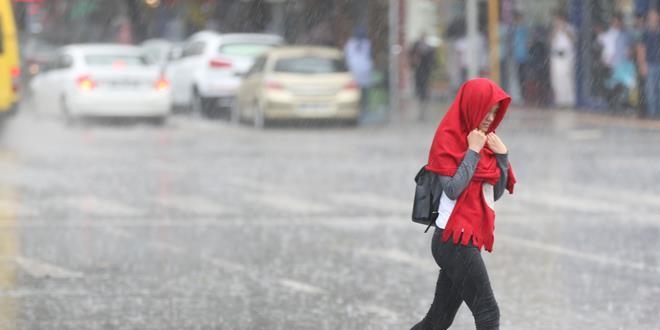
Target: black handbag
[(427, 198)]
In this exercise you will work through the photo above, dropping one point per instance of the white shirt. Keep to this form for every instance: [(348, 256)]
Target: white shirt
[(358, 59), (447, 205)]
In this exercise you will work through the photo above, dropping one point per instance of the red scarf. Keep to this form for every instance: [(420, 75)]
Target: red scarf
[(471, 217)]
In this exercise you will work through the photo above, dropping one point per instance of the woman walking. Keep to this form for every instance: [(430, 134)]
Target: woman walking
[(472, 164)]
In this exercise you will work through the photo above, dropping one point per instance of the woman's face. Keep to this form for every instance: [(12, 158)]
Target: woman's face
[(490, 117)]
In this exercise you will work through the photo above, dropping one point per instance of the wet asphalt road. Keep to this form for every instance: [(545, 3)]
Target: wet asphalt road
[(203, 225)]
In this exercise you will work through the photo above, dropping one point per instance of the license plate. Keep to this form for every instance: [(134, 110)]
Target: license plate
[(314, 107), (124, 84)]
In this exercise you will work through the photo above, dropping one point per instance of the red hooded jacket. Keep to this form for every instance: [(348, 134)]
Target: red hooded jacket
[(471, 217)]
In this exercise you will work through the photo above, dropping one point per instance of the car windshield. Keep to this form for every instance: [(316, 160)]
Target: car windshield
[(244, 49), (310, 65), (116, 60)]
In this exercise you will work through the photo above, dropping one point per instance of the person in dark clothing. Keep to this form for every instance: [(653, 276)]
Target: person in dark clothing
[(649, 63), (422, 61), (521, 42), (540, 89), (473, 170), (637, 32)]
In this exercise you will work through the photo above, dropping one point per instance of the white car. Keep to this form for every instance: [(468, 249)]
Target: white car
[(159, 50), (102, 80), (211, 66)]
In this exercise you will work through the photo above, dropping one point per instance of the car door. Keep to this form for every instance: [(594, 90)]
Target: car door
[(173, 72), (251, 87), (50, 87), (184, 70), (60, 80)]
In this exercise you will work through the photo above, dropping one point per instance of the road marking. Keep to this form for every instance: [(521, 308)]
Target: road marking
[(585, 134), (301, 287), (193, 204), (25, 292), (114, 230), (167, 247), (291, 204), (395, 255), (572, 253), (578, 191), (97, 206), (373, 201), (246, 183), (563, 201), (380, 311), (636, 198), (156, 244), (226, 264), (40, 269)]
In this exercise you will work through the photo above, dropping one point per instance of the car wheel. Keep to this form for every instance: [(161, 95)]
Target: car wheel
[(234, 114), (352, 122), (258, 120), (69, 119), (200, 106), (158, 121), (196, 104)]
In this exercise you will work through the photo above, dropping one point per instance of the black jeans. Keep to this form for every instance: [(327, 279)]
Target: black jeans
[(463, 277)]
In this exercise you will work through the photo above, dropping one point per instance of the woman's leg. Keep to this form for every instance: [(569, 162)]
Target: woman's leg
[(444, 307), (446, 300), (467, 272)]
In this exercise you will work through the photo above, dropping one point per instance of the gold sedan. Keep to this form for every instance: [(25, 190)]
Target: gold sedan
[(298, 83)]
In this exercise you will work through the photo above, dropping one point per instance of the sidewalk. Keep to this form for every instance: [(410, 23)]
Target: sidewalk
[(410, 113)]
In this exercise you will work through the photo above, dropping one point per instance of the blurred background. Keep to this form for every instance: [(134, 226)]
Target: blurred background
[(511, 42), (249, 164)]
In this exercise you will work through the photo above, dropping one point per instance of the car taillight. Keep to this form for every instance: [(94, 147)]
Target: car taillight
[(162, 84), (15, 72), (274, 85), (15, 78), (85, 83), (220, 64), (352, 85)]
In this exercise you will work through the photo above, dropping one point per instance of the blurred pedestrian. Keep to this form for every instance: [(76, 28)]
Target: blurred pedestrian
[(360, 63), (503, 31), (540, 88), (472, 165), (649, 62), (599, 72), (454, 33), (619, 85), (562, 61), (615, 56), (616, 42), (637, 32), (462, 46), (422, 61), (521, 43)]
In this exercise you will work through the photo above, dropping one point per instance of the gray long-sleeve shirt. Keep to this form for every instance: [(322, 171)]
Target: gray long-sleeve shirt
[(454, 186)]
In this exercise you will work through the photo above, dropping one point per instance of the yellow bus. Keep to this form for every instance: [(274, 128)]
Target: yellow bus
[(10, 71)]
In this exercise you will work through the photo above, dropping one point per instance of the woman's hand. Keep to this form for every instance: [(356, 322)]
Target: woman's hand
[(476, 140), (495, 144)]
